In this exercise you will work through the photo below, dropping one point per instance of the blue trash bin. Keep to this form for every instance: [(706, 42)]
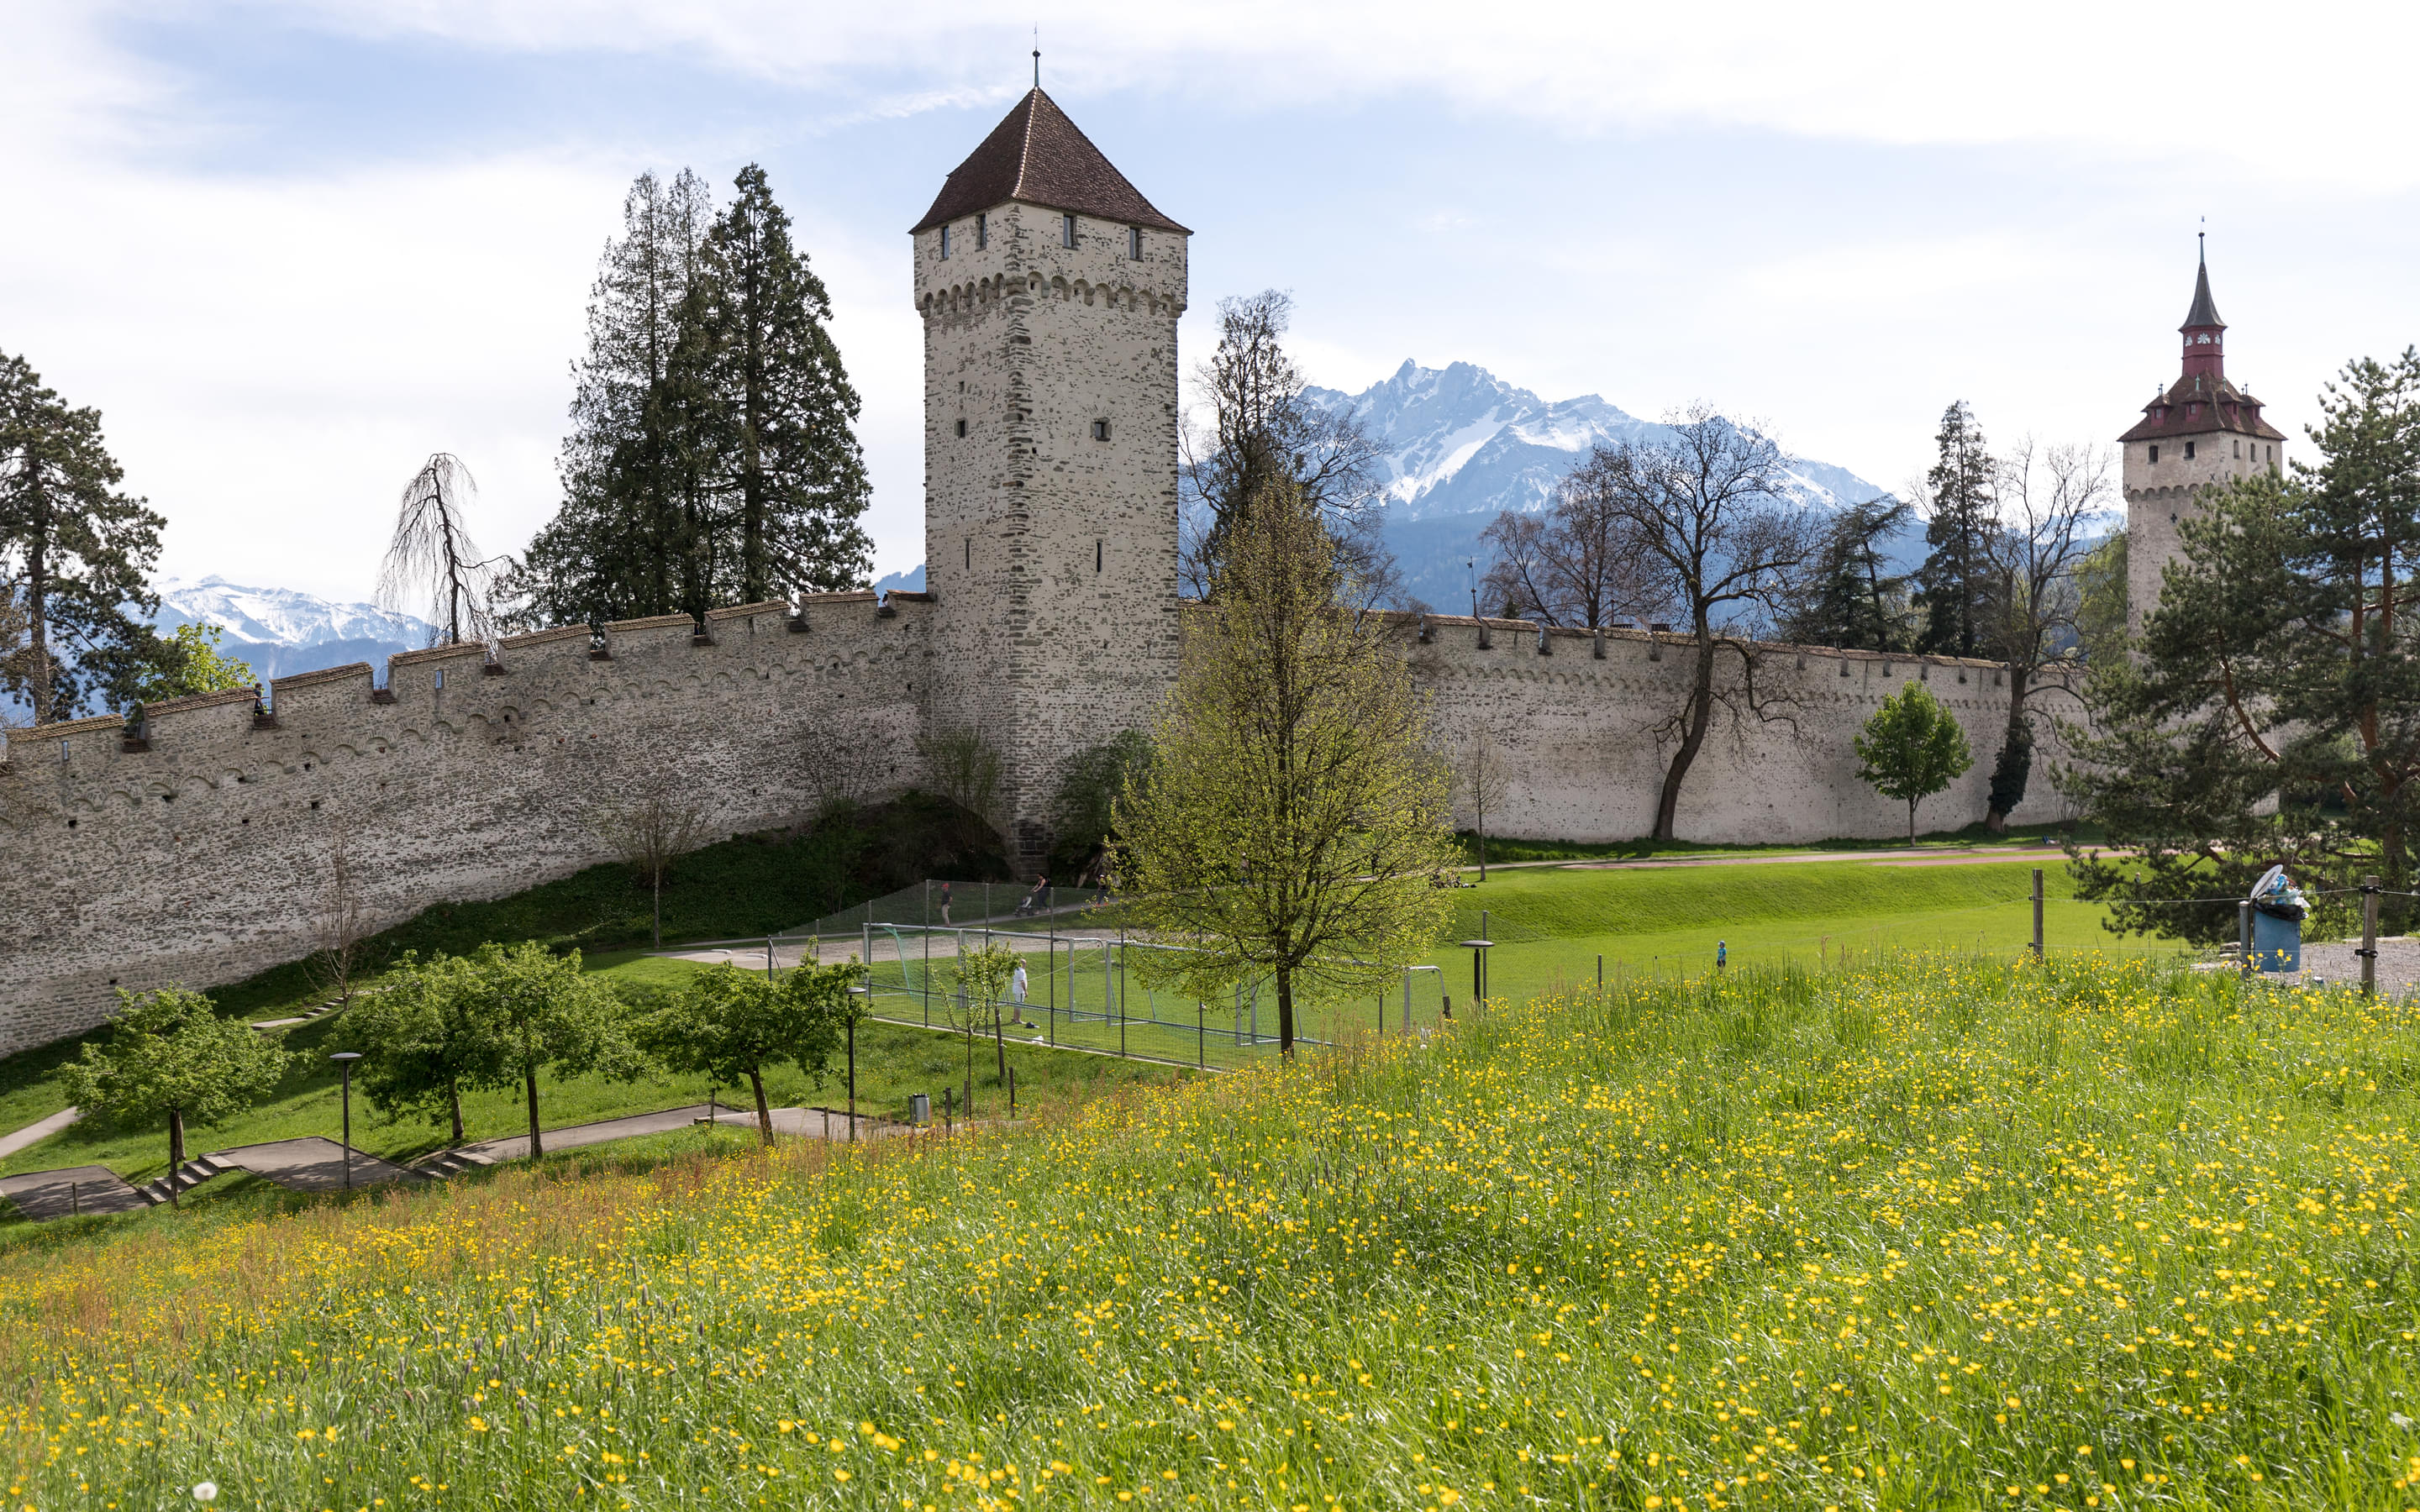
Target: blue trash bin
[(2276, 943)]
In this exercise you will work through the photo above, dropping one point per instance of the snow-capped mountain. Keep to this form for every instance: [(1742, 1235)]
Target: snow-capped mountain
[(281, 631), (1468, 446)]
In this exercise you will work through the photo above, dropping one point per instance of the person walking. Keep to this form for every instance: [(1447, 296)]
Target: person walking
[(945, 904), (1722, 955), (1016, 995)]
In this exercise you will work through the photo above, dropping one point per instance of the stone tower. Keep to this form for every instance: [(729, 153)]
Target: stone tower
[(2201, 430), (1049, 289)]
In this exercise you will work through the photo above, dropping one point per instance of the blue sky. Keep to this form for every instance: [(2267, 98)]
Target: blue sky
[(291, 249)]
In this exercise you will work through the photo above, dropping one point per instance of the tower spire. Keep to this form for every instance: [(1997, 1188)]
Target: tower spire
[(2205, 334), (1037, 57)]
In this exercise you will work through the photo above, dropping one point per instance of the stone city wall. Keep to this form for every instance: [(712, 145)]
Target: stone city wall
[(200, 853), (1585, 763)]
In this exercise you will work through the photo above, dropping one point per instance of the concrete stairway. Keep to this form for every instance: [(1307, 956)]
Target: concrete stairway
[(184, 1179), (448, 1162)]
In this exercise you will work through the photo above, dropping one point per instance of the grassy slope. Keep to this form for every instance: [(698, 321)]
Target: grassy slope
[(1949, 1234)]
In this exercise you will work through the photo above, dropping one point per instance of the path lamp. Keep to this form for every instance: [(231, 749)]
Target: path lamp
[(1478, 950), (344, 1059)]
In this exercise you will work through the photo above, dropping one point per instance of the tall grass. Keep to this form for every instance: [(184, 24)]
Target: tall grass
[(1933, 1232)]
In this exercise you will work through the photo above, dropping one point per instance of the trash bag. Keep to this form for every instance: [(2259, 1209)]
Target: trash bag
[(2276, 896)]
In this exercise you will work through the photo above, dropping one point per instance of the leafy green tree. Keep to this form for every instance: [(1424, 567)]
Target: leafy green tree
[(189, 661), (79, 549), (1088, 797), (732, 1025), (539, 1012), (421, 1039), (789, 475), (1295, 821), (169, 1054), (1911, 748), (2272, 712), (1954, 584)]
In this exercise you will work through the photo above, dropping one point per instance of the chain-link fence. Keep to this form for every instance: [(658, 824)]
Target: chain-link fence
[(947, 904)]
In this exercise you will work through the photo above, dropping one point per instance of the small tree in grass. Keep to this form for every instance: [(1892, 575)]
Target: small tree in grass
[(1294, 823), (169, 1054), (539, 1012), (1912, 748), (421, 1039), (983, 976), (733, 1025)]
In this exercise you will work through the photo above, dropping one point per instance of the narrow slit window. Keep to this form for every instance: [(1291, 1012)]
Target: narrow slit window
[(971, 550), (1100, 430), (1096, 555), (2155, 454), (2239, 448), (1067, 230), (983, 233), (2189, 451), (961, 429), (945, 243), (1134, 243)]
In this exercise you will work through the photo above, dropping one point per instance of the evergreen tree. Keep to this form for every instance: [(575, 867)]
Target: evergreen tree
[(625, 542), (791, 477), (713, 455), (1849, 600), (2273, 711), (78, 549), (1954, 584)]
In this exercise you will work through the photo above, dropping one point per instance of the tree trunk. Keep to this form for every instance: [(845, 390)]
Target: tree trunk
[(1910, 819), (763, 1114), (38, 614), (999, 1042), (529, 1084), (656, 929), (1285, 1013), (1693, 736), (176, 1138), (453, 1106)]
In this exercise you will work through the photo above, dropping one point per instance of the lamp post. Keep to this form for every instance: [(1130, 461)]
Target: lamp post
[(344, 1059), (864, 992), (1470, 565)]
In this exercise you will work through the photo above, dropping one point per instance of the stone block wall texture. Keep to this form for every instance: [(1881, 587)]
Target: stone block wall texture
[(1050, 416), (201, 853), (1585, 763)]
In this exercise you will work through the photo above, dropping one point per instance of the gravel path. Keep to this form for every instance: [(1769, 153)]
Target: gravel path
[(2334, 961)]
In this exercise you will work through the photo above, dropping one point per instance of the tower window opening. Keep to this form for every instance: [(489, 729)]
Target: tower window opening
[(1100, 430), (971, 550), (2155, 454), (962, 430), (983, 233), (2239, 448), (1067, 230), (945, 243), (1096, 555), (1134, 243), (2273, 454), (2189, 451)]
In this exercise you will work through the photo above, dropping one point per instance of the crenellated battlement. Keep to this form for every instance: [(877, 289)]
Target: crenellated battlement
[(194, 847)]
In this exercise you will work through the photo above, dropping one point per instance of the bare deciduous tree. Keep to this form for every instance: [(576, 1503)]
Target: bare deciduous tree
[(1482, 775), (964, 766), (1574, 565), (649, 827), (1721, 542), (1263, 427), (2052, 499), (340, 926), (431, 563)]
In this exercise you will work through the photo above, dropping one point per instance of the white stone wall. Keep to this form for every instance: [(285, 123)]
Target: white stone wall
[(1052, 553), (1587, 764), (202, 859)]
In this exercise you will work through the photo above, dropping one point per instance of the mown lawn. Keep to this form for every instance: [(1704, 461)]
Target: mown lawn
[(1936, 1232)]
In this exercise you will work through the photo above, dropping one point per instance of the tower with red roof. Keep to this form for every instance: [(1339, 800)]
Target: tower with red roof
[(1049, 289), (2201, 431)]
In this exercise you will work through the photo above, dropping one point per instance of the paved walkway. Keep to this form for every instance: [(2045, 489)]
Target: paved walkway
[(808, 1123), (1974, 856), (309, 1164), (37, 1130), (43, 1196)]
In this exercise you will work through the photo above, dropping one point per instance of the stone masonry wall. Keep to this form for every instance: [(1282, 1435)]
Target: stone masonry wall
[(201, 854), (1586, 766)]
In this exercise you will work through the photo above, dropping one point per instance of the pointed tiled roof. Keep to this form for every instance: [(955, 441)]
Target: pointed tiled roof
[(1037, 156), (2204, 313)]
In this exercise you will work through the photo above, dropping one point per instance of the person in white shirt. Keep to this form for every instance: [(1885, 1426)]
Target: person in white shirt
[(1016, 995)]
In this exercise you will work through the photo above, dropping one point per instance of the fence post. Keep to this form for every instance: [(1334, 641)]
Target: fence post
[(769, 956), (928, 956), (2037, 912), (1051, 974), (2369, 936), (1202, 1033), (2243, 934), (949, 1110), (1122, 989)]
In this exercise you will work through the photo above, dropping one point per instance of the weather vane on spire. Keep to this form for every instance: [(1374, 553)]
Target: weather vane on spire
[(1037, 57)]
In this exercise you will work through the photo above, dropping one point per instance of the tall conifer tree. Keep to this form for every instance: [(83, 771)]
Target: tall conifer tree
[(1955, 581), (790, 477), (77, 549)]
